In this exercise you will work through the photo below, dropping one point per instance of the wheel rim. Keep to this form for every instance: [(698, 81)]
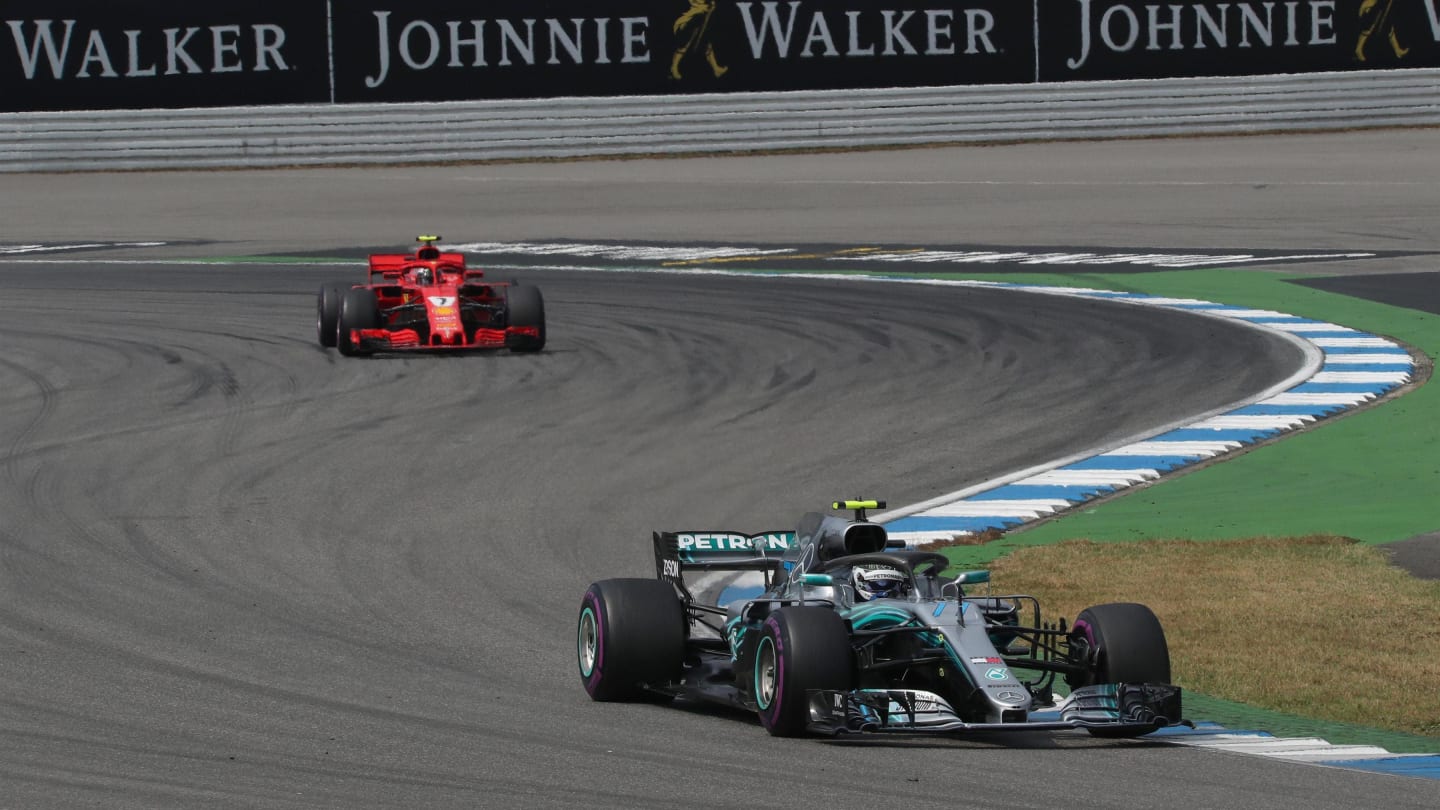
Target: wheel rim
[(765, 680), (587, 642), (1084, 634)]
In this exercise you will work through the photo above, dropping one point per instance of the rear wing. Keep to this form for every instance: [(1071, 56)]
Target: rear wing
[(678, 552), (392, 265)]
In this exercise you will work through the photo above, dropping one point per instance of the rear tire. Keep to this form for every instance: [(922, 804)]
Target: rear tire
[(630, 634), (359, 309), (327, 312), (1127, 645), (800, 649), (525, 307)]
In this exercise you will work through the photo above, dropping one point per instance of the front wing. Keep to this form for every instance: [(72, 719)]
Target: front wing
[(1122, 708), (384, 340)]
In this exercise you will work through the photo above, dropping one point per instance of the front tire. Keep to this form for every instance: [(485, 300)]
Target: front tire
[(359, 309), (1124, 643), (800, 649), (630, 634), (327, 312), (525, 307)]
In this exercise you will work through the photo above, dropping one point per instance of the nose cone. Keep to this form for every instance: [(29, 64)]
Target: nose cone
[(443, 308)]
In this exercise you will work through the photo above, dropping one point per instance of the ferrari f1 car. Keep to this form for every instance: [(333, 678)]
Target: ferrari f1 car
[(853, 633), (429, 300)]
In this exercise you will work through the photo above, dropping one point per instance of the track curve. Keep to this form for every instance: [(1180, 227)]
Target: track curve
[(236, 570), (237, 563)]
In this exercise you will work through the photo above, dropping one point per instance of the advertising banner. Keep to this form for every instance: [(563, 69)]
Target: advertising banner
[(109, 54), (1134, 39), (58, 55), (394, 51)]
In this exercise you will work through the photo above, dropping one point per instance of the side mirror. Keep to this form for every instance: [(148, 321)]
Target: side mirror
[(972, 578), (817, 580)]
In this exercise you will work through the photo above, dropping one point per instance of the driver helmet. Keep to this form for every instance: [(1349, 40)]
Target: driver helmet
[(878, 582), (424, 276)]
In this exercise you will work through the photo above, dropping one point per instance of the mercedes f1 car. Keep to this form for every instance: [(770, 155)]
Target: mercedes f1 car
[(429, 300), (853, 633)]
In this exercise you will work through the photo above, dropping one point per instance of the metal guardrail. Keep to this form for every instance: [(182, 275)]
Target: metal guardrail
[(256, 137)]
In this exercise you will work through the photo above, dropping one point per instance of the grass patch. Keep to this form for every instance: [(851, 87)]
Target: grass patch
[(1318, 626)]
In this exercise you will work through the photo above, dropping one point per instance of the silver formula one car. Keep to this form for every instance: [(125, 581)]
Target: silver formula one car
[(847, 632)]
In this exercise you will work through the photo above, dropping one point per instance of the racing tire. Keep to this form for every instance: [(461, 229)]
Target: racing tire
[(1126, 644), (800, 649), (359, 309), (327, 312), (629, 637), (525, 307)]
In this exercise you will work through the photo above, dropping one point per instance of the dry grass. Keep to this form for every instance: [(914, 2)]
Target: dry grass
[(1322, 627)]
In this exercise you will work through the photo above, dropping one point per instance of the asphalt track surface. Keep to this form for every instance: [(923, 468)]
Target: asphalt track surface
[(236, 570)]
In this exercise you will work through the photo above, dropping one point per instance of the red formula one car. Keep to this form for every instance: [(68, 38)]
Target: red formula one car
[(429, 300)]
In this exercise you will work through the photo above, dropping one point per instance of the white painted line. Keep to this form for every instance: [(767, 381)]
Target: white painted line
[(632, 252), (1056, 258), (1296, 749), (1306, 328), (1334, 752), (1305, 257), (1347, 400), (1255, 314), (1309, 327), (1072, 292), (1077, 292), (1310, 750), (1208, 738), (1345, 342), (1303, 749), (1090, 477), (40, 248), (1258, 421), (1157, 301), (1000, 508), (1272, 745), (913, 539), (1145, 258), (1161, 448), (928, 256), (1388, 358), (1395, 377)]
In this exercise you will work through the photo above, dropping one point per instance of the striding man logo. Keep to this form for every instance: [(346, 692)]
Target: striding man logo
[(1377, 21), (692, 30)]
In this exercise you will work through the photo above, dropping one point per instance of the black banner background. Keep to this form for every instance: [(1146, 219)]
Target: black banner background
[(108, 54), (674, 46), (118, 55), (1134, 39)]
